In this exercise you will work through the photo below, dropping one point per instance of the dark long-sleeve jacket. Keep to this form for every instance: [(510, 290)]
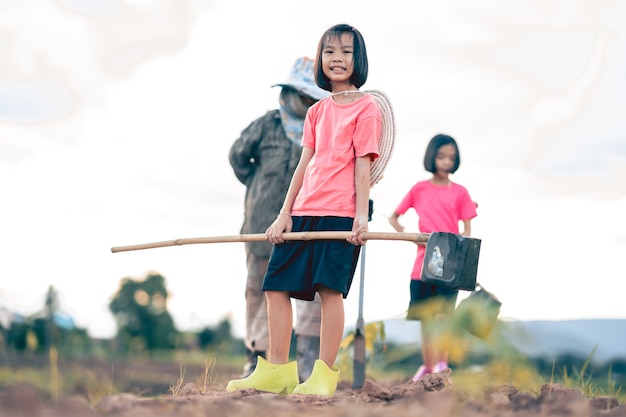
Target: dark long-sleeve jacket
[(263, 159)]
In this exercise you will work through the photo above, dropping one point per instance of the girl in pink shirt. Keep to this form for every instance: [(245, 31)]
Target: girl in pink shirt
[(440, 205), (329, 191)]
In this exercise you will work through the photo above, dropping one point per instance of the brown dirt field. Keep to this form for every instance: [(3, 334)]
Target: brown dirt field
[(435, 396)]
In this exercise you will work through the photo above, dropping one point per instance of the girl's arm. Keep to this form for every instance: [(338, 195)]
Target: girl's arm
[(283, 221), (467, 227), (393, 220), (362, 185)]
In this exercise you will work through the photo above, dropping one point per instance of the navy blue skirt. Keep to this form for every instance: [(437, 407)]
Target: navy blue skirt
[(429, 300), (301, 267)]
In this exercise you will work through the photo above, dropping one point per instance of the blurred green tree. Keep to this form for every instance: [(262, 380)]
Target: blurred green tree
[(140, 310), (46, 329)]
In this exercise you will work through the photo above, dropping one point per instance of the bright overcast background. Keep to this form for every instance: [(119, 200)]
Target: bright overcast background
[(116, 118)]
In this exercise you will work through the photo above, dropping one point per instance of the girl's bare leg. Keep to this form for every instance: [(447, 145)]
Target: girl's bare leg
[(444, 340), (429, 355), (280, 323), (332, 325)]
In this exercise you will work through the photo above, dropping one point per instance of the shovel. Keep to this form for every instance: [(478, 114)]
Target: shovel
[(458, 260)]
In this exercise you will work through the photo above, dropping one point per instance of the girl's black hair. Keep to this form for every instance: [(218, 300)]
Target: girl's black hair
[(359, 74), (433, 147)]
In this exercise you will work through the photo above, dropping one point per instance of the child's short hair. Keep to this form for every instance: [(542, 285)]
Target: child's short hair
[(359, 73), (435, 143)]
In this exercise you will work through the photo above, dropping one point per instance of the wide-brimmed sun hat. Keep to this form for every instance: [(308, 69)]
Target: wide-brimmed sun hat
[(302, 79), (387, 136)]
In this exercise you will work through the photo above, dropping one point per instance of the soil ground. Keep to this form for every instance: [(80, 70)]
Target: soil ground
[(434, 396)]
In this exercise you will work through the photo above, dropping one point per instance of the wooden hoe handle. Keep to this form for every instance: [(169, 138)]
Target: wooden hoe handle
[(412, 237)]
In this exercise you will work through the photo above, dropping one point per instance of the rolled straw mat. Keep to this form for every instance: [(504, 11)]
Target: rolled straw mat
[(387, 136)]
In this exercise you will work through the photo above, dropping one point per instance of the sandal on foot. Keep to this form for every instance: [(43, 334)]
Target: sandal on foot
[(440, 367), (422, 371)]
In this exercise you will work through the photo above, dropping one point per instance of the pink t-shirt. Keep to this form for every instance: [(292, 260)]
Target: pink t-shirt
[(338, 133), (439, 208)]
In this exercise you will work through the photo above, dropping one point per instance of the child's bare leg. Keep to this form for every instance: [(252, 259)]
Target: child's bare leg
[(332, 325), (429, 355), (443, 341), (280, 323)]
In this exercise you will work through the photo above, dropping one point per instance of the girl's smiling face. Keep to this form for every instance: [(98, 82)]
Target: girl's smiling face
[(338, 58)]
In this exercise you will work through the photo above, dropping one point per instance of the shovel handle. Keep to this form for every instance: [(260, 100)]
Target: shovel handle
[(256, 237)]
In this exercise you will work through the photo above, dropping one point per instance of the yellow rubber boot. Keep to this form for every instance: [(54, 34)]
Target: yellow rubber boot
[(323, 381), (268, 377)]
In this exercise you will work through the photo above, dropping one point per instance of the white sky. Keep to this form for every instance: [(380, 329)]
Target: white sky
[(116, 118)]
